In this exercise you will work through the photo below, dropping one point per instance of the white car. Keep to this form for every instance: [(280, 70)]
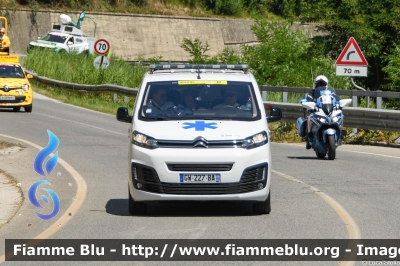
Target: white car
[(65, 37), (199, 133)]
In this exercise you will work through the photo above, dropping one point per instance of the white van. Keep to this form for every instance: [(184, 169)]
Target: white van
[(66, 37), (199, 133)]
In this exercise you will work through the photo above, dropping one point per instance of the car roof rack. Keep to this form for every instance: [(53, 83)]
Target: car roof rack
[(239, 67)]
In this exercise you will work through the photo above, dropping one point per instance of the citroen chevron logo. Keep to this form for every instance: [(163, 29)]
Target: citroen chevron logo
[(200, 141), (200, 125)]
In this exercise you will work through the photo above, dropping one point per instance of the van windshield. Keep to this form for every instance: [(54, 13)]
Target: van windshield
[(51, 37), (197, 99)]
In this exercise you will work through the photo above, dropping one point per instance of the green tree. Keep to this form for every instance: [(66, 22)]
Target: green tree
[(225, 7), (374, 24), (282, 58), (227, 56), (392, 70), (279, 54), (197, 49)]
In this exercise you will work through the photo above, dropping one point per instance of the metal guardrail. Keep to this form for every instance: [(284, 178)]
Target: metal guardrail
[(387, 120), (354, 94), (378, 119), (113, 88)]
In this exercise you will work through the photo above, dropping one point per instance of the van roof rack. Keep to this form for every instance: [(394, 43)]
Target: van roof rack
[(154, 67)]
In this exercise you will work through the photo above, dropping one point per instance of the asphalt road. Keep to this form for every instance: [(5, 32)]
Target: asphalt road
[(354, 196)]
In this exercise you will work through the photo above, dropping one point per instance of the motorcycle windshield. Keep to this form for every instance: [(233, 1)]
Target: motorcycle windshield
[(327, 107), (323, 91), (325, 101)]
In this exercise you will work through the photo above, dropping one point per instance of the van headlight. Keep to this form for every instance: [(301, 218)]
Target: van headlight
[(144, 141), (256, 140)]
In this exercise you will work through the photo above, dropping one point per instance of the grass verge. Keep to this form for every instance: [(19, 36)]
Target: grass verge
[(101, 102)]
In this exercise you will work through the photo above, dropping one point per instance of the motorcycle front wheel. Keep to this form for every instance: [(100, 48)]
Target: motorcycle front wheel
[(331, 147)]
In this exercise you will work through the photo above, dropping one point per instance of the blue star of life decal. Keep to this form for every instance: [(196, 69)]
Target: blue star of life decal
[(200, 125)]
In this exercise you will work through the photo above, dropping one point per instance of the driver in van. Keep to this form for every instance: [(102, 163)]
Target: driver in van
[(159, 99), (230, 96), (189, 99)]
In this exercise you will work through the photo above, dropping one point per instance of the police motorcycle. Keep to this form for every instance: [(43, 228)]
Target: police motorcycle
[(326, 122)]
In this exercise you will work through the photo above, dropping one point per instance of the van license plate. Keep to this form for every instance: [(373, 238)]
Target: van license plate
[(200, 178)]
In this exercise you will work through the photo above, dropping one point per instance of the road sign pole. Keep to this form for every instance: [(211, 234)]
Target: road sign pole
[(355, 85), (352, 63)]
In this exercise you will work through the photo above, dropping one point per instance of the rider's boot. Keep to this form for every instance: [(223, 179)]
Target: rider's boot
[(309, 140), (308, 144)]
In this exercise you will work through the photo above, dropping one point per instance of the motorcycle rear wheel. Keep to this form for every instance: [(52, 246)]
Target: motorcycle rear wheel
[(331, 147), (320, 155)]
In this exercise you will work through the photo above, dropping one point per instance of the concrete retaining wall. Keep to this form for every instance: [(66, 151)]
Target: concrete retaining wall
[(133, 36)]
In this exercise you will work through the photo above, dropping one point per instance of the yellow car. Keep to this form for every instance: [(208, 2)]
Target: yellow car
[(15, 90)]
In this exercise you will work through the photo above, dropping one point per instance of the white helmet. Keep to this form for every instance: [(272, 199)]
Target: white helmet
[(321, 80)]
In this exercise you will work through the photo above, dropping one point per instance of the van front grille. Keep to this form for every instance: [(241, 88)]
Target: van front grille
[(150, 182), (199, 167)]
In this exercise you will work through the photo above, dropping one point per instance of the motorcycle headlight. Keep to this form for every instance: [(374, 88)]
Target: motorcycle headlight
[(256, 140), (25, 87), (144, 141), (335, 118), (322, 119)]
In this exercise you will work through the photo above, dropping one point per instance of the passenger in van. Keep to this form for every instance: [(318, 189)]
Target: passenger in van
[(189, 99), (159, 99), (230, 96)]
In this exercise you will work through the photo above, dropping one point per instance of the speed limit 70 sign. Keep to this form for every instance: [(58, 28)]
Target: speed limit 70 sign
[(101, 47)]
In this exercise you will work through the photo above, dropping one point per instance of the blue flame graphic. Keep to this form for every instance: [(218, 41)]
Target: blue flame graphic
[(46, 151), (35, 202)]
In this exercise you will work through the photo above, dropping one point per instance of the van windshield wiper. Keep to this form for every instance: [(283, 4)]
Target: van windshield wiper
[(155, 118)]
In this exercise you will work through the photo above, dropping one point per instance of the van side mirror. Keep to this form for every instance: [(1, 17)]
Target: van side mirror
[(275, 115), (123, 115)]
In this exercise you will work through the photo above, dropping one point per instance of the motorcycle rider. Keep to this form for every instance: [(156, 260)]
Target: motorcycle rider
[(320, 83)]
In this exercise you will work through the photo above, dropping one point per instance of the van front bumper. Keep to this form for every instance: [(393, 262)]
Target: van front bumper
[(244, 176)]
